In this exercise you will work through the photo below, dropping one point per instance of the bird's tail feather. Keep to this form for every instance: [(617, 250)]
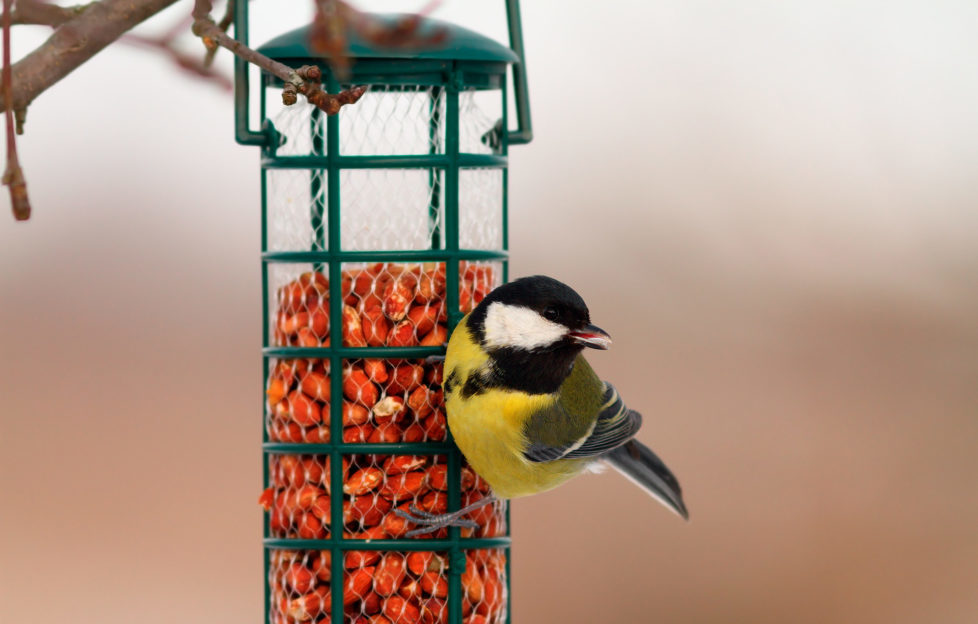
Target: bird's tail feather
[(643, 468)]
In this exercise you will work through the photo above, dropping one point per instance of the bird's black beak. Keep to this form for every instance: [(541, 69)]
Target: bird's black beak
[(591, 336)]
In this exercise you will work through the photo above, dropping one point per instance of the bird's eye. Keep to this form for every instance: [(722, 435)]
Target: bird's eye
[(550, 313)]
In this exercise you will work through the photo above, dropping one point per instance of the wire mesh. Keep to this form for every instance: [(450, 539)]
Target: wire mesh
[(296, 200), (384, 305), (300, 126), (391, 120), (390, 401), (345, 488), (298, 301), (479, 112), (391, 209), (480, 215), (380, 587)]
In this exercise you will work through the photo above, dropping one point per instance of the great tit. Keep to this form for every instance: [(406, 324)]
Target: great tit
[(525, 407)]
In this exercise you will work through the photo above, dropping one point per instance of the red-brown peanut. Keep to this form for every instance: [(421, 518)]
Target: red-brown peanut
[(303, 410), (357, 387), (402, 335), (390, 574), (398, 295), (436, 337), (400, 611), (300, 578), (354, 414), (316, 386), (405, 377), (376, 370), (352, 328), (388, 409), (360, 558), (363, 480), (375, 326)]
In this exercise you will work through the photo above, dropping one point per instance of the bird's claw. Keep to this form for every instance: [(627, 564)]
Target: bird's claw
[(429, 522)]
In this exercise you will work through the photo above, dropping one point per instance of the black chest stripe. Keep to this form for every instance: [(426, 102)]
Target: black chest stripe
[(477, 383), (450, 382)]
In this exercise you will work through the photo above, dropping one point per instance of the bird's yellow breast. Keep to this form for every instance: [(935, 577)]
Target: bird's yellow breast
[(488, 427)]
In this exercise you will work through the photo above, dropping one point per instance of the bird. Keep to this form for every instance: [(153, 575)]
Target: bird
[(526, 409)]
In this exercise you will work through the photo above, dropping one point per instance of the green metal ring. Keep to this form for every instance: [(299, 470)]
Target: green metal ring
[(407, 255), (350, 353), (467, 543), (418, 161), (386, 448)]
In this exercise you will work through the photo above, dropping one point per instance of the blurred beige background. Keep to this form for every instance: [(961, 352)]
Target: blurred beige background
[(771, 207)]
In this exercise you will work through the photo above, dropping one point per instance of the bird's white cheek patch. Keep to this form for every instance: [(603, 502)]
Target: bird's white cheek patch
[(519, 327)]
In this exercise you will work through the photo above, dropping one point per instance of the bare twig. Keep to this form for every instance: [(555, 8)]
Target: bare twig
[(166, 43), (313, 91), (224, 24), (13, 175), (307, 83), (205, 28)]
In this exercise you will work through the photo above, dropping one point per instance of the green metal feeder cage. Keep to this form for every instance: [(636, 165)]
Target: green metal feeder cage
[(381, 227)]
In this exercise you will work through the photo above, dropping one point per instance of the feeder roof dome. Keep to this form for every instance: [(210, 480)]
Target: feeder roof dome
[(460, 44)]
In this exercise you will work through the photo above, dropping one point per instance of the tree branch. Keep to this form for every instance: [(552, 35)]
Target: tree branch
[(83, 30), (305, 80), (74, 42), (44, 13), (13, 175)]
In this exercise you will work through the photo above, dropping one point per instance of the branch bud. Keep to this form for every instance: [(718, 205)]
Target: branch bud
[(289, 96)]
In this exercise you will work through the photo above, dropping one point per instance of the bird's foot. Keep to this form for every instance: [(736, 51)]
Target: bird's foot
[(435, 359), (430, 522)]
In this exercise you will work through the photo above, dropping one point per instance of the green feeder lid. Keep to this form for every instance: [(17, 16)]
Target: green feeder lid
[(460, 44)]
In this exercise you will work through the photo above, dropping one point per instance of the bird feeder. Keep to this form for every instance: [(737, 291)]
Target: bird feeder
[(382, 226)]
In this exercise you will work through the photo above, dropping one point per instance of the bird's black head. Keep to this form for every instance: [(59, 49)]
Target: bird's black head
[(535, 327)]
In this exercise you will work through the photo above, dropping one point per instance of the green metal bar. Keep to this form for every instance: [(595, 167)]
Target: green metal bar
[(265, 478), (408, 161), (504, 139), (266, 566), (456, 554), (242, 133), (509, 578), (336, 339), (524, 124), (387, 448), (505, 199), (262, 88), (352, 352), (456, 566), (408, 255), (391, 544)]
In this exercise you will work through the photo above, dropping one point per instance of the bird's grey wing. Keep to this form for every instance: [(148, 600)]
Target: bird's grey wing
[(614, 426)]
